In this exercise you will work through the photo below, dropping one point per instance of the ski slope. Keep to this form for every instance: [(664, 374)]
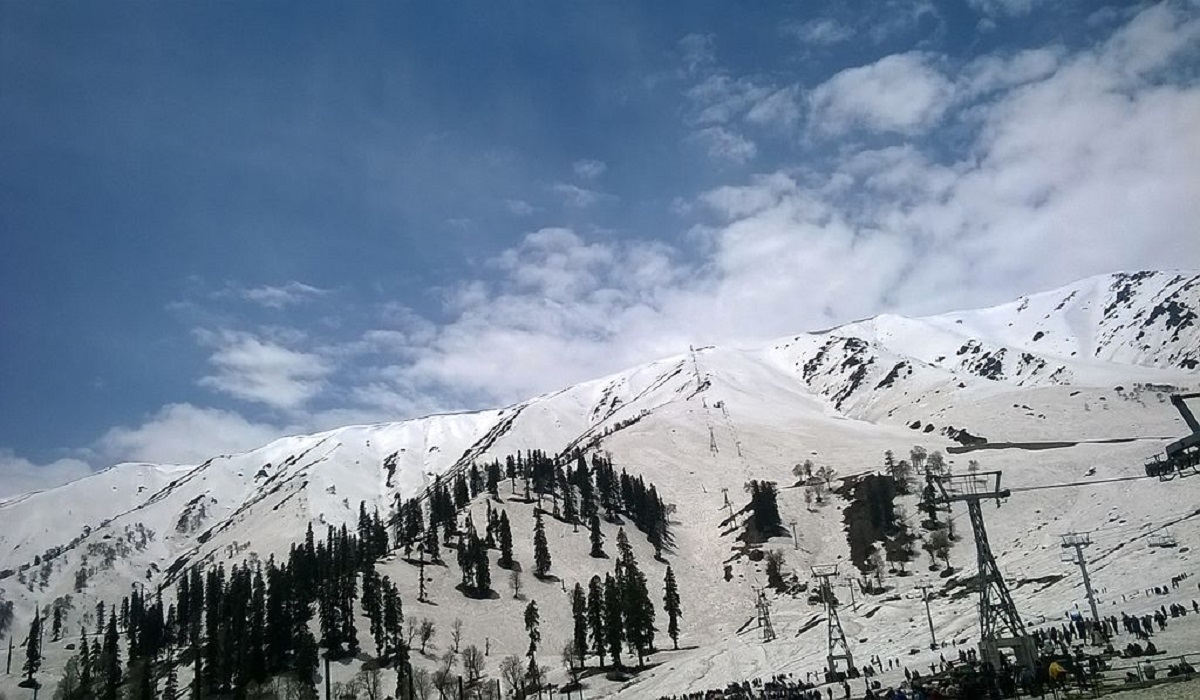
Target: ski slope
[(1090, 362)]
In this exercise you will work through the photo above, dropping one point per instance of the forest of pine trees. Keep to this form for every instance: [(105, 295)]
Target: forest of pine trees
[(241, 628)]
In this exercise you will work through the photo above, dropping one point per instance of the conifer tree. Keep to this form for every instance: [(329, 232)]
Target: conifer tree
[(171, 690), (637, 609), (541, 548), (482, 564), (475, 480), (597, 537), (596, 617), (493, 480), (56, 623), (580, 620), (532, 622), (110, 661), (256, 621), (569, 510), (431, 544), (372, 603), (85, 665), (671, 605), (614, 628), (506, 542), (33, 648), (393, 618)]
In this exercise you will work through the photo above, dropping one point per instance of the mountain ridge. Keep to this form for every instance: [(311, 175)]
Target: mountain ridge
[(694, 423)]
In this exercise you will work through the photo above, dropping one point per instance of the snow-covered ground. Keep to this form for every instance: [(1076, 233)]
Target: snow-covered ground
[(699, 426)]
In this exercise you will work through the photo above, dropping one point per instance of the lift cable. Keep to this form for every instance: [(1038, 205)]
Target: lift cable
[(1072, 484)]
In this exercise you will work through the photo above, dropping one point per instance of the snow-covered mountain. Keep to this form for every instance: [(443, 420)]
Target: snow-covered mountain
[(1060, 370)]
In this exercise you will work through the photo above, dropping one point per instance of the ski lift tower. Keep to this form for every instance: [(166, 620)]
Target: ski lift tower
[(763, 607), (839, 648), (1078, 541), (1000, 626)]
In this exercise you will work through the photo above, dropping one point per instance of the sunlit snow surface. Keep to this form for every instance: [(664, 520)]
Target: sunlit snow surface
[(696, 425)]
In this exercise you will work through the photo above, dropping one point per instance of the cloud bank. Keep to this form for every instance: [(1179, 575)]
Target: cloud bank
[(1065, 164)]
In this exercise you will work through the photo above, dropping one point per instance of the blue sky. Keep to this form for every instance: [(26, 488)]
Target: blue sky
[(224, 222)]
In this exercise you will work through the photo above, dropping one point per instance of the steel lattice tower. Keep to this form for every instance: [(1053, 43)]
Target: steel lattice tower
[(839, 648), (1000, 625), (764, 616)]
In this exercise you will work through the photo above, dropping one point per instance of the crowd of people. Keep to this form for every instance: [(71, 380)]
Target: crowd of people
[(1060, 647)]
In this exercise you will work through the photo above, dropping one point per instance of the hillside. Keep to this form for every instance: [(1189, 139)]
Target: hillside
[(1089, 362)]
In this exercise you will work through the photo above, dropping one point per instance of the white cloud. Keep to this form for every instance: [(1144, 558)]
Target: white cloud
[(184, 434), (19, 475), (261, 370), (720, 98), (1080, 164), (899, 93), (782, 108), (589, 169), (578, 197), (725, 145), (697, 51), (1074, 163), (278, 297), (1003, 8), (820, 32), (997, 72), (519, 207)]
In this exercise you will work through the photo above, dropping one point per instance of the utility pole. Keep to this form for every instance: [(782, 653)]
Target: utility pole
[(795, 537), (327, 694), (1000, 625), (837, 646), (928, 615), (1078, 541)]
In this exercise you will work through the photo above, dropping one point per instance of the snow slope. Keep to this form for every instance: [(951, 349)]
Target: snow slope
[(1088, 362)]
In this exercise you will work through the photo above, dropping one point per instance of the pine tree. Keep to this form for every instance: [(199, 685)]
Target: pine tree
[(570, 510), (482, 564), (597, 537), (532, 621), (765, 520), (372, 604), (614, 629), (256, 659), (596, 617), (85, 665), (493, 480), (541, 548), (671, 605), (431, 544), (56, 626), (68, 684), (33, 648), (393, 617), (110, 661), (580, 620), (638, 611), (171, 691), (506, 542)]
